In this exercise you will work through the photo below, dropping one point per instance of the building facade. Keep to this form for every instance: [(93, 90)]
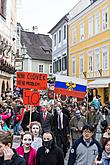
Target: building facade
[(34, 52), (89, 46), (60, 47), (7, 43)]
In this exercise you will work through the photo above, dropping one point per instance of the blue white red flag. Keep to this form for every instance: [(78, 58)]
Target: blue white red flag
[(70, 86)]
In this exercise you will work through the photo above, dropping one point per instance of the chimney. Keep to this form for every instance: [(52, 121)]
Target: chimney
[(35, 29)]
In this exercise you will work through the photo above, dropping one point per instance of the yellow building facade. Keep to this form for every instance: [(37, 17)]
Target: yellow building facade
[(89, 46)]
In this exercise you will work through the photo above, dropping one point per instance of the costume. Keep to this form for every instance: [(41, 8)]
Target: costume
[(53, 157), (32, 155)]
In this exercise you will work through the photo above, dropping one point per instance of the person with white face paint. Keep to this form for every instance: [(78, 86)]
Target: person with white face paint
[(26, 151), (35, 129)]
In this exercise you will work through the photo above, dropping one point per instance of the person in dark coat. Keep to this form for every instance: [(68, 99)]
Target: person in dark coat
[(8, 156), (61, 128), (26, 119), (49, 153)]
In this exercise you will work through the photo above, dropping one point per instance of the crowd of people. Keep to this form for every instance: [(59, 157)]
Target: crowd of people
[(53, 129)]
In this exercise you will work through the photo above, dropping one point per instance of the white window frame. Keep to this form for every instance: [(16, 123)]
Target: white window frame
[(104, 23), (97, 23), (50, 69), (81, 68), (105, 49), (82, 35), (90, 62), (73, 71), (96, 62), (90, 27), (39, 66), (74, 35)]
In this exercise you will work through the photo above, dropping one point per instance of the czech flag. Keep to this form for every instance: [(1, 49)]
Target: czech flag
[(70, 86)]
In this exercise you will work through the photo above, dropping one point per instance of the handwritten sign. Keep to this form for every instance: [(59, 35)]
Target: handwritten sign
[(30, 80), (31, 98)]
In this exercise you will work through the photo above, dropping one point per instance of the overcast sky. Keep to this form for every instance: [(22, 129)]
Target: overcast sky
[(43, 13)]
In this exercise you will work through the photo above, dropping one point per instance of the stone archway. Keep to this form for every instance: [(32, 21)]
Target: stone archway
[(3, 87)]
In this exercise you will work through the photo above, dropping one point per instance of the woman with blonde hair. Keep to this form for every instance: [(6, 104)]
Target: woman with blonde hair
[(36, 130)]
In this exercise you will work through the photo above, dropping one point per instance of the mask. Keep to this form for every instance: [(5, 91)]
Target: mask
[(78, 116), (35, 130), (27, 140), (48, 144), (58, 110)]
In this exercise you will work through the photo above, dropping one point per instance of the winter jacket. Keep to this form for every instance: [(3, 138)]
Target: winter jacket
[(16, 160), (32, 155), (53, 157), (81, 154), (105, 158), (74, 124)]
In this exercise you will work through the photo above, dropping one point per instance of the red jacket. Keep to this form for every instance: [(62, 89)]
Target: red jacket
[(32, 155)]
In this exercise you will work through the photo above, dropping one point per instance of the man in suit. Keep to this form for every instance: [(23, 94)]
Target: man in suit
[(61, 128), (46, 118)]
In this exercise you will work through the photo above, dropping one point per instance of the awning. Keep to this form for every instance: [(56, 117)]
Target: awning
[(99, 83)]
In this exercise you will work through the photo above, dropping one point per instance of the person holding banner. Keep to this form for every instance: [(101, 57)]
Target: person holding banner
[(33, 116)]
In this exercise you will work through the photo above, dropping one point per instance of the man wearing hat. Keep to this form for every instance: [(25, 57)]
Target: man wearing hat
[(76, 124), (85, 149)]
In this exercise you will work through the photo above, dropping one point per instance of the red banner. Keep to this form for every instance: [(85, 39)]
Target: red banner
[(30, 80), (31, 98)]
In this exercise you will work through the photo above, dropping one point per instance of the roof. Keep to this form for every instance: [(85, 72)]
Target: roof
[(63, 18), (38, 46)]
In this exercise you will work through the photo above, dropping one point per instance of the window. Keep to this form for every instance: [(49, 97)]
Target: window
[(73, 65), (90, 61), (90, 27), (59, 65), (41, 68), (74, 35), (54, 39), (64, 63), (105, 19), (59, 39), (97, 23), (50, 69), (105, 60), (54, 71), (3, 8), (81, 31), (64, 32), (97, 59), (81, 63)]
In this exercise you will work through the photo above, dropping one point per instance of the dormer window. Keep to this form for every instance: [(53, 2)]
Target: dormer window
[(46, 50)]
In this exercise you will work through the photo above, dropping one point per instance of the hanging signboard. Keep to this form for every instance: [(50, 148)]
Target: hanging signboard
[(30, 80)]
